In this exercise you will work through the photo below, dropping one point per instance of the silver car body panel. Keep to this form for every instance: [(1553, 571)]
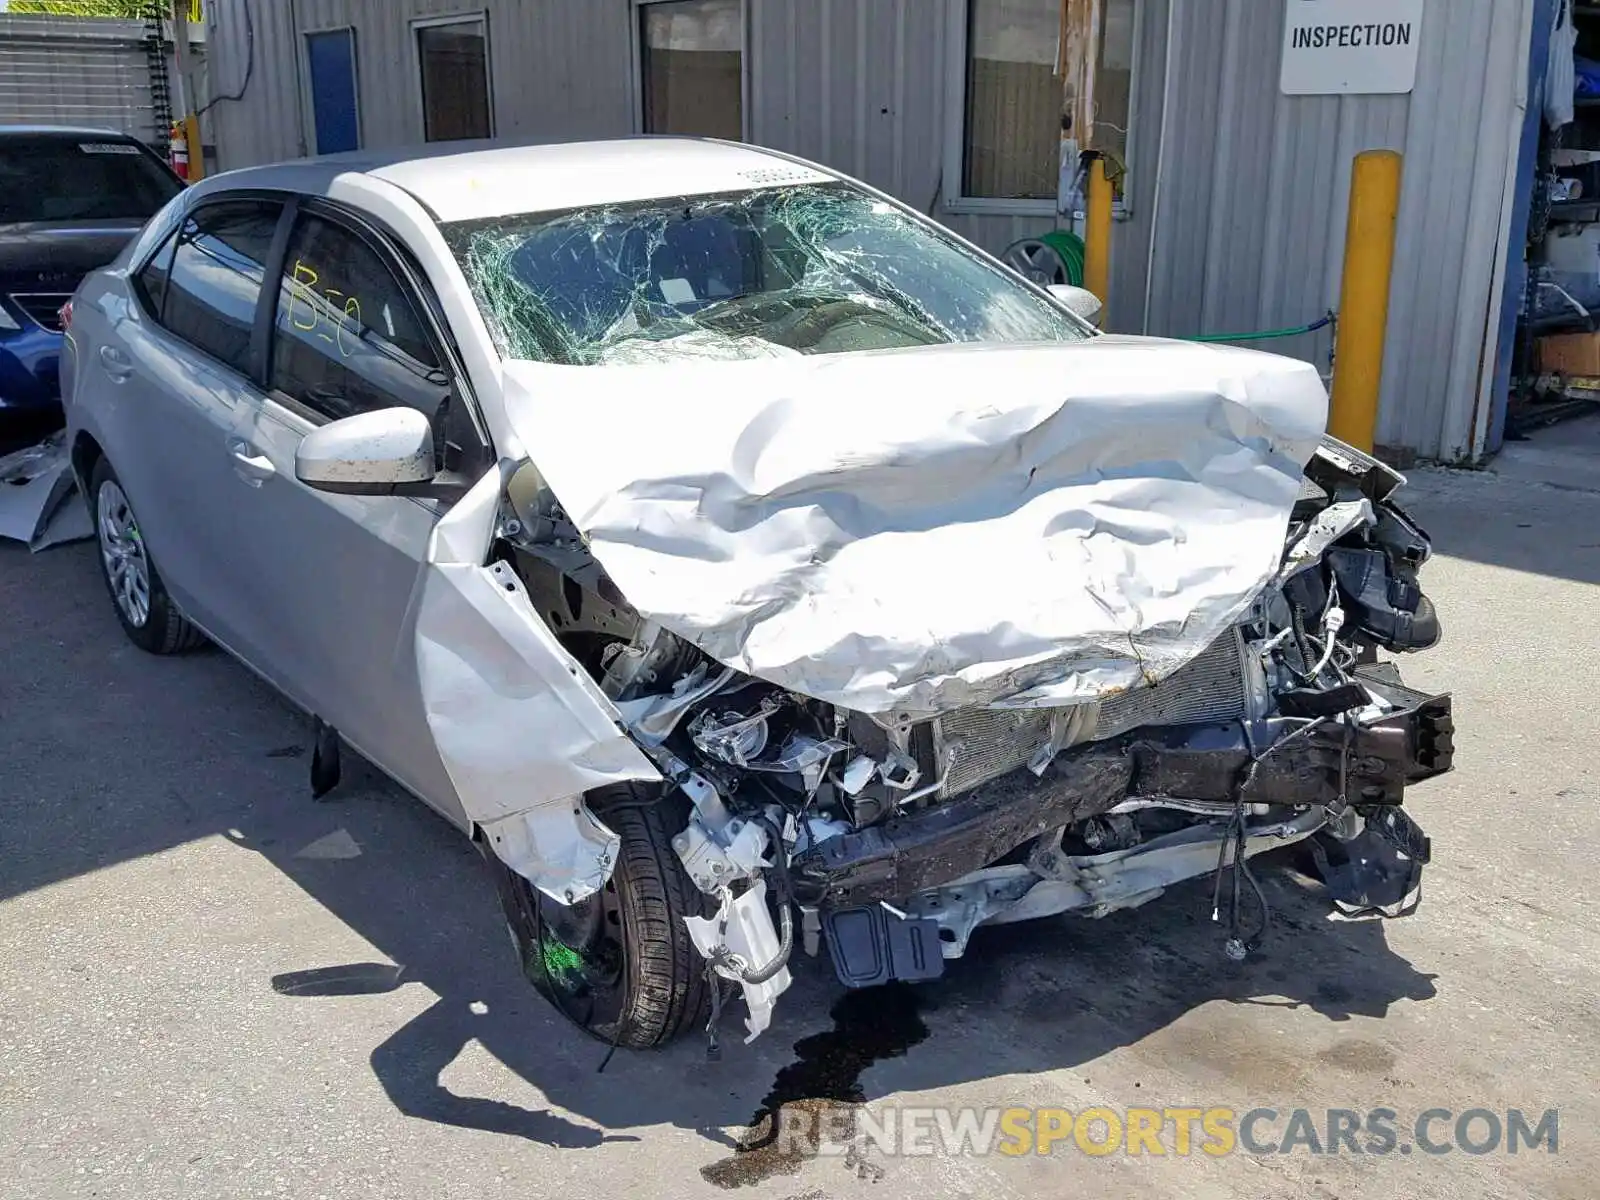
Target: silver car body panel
[(1127, 501), (329, 611), (1124, 501), (523, 731)]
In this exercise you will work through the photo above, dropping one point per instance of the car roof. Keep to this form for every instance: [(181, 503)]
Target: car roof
[(66, 131), (475, 180)]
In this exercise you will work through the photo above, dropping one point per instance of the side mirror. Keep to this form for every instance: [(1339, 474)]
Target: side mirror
[(369, 454), (1080, 300)]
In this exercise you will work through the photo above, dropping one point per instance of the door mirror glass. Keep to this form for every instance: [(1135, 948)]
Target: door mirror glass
[(1080, 300), (370, 454)]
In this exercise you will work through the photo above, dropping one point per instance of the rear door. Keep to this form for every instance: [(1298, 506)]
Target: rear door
[(181, 364), (352, 332)]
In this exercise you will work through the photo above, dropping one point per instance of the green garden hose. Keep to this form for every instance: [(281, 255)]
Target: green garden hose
[(1069, 248), (1266, 334)]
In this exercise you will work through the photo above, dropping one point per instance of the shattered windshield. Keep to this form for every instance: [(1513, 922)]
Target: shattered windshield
[(813, 269)]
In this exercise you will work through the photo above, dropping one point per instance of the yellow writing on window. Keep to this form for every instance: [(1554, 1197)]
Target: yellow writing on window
[(316, 313), (352, 320), (305, 278)]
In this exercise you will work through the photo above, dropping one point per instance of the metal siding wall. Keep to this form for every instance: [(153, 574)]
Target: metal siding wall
[(859, 85), (264, 125), (1255, 194), (1130, 250), (558, 69), (561, 68), (92, 71), (855, 84), (1247, 217), (386, 71), (823, 71)]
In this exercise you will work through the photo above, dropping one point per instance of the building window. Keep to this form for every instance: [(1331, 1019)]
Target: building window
[(1014, 102), (454, 57), (691, 63)]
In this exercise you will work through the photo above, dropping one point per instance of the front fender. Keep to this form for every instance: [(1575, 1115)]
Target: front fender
[(522, 730)]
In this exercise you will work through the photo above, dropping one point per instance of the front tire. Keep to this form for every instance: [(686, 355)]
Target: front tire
[(144, 609), (619, 965)]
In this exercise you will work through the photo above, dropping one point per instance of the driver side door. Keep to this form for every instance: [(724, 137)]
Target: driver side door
[(351, 333)]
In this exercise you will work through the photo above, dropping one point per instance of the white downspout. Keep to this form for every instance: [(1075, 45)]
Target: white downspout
[(1161, 156), (1489, 366)]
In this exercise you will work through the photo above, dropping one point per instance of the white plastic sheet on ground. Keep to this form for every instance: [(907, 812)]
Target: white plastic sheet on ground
[(921, 531), (523, 732), (36, 496)]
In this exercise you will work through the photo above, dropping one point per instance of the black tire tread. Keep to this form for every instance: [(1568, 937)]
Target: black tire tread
[(668, 994), (181, 634)]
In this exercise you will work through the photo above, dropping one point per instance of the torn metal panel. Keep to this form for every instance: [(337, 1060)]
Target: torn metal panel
[(558, 845), (1121, 500), (1095, 884), (1336, 463), (1322, 531), (36, 486), (523, 732), (653, 718), (744, 930)]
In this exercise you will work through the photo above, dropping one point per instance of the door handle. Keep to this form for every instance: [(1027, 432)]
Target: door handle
[(117, 365), (249, 464)]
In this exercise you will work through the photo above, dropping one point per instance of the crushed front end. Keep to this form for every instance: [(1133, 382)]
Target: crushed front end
[(891, 840)]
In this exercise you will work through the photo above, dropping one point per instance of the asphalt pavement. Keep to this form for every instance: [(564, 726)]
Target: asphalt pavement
[(212, 986)]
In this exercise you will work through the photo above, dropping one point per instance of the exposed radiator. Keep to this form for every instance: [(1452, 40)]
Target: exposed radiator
[(993, 741), (989, 742), (1210, 688)]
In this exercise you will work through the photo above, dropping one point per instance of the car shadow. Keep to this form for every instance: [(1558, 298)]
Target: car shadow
[(1027, 998), (113, 755)]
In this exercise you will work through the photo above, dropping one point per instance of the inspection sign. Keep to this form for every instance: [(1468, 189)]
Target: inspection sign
[(1351, 47)]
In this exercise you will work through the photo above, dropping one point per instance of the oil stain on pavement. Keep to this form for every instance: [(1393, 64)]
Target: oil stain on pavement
[(823, 1083)]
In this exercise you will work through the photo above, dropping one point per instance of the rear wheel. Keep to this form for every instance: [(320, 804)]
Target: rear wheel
[(147, 613), (618, 964)]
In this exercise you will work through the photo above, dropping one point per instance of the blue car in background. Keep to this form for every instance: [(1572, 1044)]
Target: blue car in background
[(70, 199)]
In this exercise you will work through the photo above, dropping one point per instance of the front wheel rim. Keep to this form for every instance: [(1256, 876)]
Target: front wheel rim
[(582, 958), (122, 552)]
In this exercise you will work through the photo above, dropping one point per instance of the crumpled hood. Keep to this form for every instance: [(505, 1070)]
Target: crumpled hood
[(919, 531)]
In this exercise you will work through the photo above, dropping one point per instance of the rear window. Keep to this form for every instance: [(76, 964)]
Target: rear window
[(87, 178)]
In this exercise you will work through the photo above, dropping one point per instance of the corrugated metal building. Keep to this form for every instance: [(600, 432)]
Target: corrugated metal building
[(101, 72), (1232, 212)]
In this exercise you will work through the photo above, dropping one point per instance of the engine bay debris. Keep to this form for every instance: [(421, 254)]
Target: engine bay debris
[(1165, 666)]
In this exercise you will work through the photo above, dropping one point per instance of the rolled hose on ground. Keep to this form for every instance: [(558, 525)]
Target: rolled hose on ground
[(785, 898)]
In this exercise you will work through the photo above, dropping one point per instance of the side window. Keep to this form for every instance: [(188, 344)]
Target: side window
[(152, 281), (348, 338), (214, 281)]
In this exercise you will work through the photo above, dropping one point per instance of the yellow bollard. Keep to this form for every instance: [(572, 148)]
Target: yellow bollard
[(1097, 242), (1364, 297), (197, 154)]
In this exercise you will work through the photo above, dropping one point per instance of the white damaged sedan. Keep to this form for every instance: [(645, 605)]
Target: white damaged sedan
[(746, 563)]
